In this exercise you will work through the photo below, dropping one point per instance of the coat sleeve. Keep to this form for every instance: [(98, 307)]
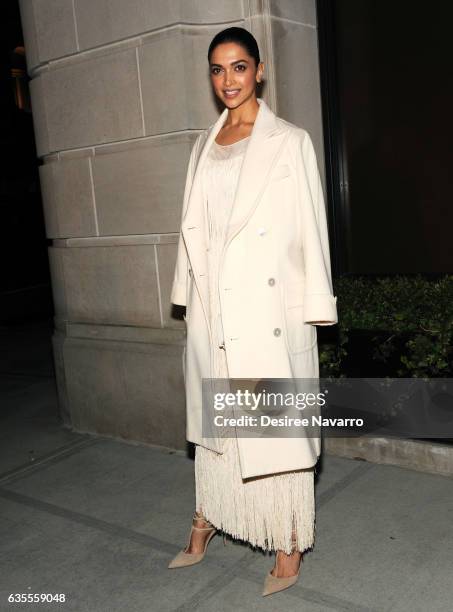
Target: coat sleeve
[(178, 291), (319, 302)]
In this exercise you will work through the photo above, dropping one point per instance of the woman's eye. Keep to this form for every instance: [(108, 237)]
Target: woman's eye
[(239, 67)]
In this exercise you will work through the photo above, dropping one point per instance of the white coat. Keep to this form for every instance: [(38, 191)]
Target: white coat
[(275, 281)]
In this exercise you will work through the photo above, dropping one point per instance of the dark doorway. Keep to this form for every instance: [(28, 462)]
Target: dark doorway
[(385, 71), (25, 283)]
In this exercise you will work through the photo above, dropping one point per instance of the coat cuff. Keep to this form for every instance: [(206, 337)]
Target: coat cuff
[(178, 294), (320, 309)]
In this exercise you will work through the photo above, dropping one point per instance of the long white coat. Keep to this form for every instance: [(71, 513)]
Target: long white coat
[(275, 281)]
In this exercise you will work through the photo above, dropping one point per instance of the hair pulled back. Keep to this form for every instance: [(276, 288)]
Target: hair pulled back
[(239, 36)]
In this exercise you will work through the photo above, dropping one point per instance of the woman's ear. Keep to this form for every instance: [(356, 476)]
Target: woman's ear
[(259, 72)]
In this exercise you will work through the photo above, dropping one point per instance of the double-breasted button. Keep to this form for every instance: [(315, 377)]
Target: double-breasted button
[(277, 331), (271, 281), (261, 231)]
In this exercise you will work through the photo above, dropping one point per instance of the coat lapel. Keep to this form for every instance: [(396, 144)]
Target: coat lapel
[(262, 152), (265, 144)]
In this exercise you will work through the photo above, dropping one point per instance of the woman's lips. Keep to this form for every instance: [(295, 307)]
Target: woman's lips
[(231, 93)]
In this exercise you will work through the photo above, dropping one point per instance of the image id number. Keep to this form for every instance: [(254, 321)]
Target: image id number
[(36, 597)]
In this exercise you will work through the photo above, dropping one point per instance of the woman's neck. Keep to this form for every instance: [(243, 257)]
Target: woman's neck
[(243, 115)]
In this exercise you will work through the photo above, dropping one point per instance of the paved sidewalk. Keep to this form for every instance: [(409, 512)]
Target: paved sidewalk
[(99, 520)]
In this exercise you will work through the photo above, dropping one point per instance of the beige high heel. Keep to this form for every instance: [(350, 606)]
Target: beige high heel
[(272, 584), (183, 558)]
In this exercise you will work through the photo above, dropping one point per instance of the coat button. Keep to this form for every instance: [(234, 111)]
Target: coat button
[(261, 231), (271, 281), (277, 331)]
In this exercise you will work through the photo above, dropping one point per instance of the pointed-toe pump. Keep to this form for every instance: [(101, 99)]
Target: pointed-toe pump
[(183, 558), (273, 584)]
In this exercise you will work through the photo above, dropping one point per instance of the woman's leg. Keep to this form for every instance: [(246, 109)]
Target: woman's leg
[(287, 565), (198, 538)]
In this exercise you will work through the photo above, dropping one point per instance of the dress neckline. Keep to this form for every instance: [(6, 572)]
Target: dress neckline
[(232, 143)]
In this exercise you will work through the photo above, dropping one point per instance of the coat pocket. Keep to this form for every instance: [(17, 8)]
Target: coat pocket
[(280, 172), (300, 336)]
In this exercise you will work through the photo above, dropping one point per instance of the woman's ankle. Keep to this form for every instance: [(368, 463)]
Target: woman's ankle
[(286, 564), (200, 520)]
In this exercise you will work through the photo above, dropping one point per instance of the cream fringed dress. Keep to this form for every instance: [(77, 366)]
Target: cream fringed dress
[(259, 510)]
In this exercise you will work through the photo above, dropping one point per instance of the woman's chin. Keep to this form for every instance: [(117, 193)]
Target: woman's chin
[(231, 102), (234, 102)]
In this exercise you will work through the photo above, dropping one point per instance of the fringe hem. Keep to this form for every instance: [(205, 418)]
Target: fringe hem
[(262, 511)]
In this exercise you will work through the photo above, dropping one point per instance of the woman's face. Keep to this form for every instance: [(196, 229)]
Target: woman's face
[(233, 74)]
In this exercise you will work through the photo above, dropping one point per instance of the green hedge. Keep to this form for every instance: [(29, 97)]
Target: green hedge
[(410, 311)]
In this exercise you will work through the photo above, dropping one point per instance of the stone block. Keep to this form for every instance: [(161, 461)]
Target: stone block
[(104, 21), (203, 108), (139, 185), (40, 123), (92, 101), (303, 11), (121, 333), (55, 28), (182, 100), (299, 97), (46, 180), (211, 11), (166, 260), (67, 195), (56, 265), (116, 285), (27, 17), (128, 390)]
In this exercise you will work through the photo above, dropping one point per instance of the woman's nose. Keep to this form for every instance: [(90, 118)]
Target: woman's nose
[(228, 79)]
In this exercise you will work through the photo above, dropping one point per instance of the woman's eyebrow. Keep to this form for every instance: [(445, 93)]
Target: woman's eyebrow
[(232, 63)]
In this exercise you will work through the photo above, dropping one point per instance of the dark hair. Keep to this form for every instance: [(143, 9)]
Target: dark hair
[(237, 35)]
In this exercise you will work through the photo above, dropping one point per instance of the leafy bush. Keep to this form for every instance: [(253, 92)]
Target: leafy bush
[(409, 311)]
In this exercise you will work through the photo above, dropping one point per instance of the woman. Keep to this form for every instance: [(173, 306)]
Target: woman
[(253, 270)]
